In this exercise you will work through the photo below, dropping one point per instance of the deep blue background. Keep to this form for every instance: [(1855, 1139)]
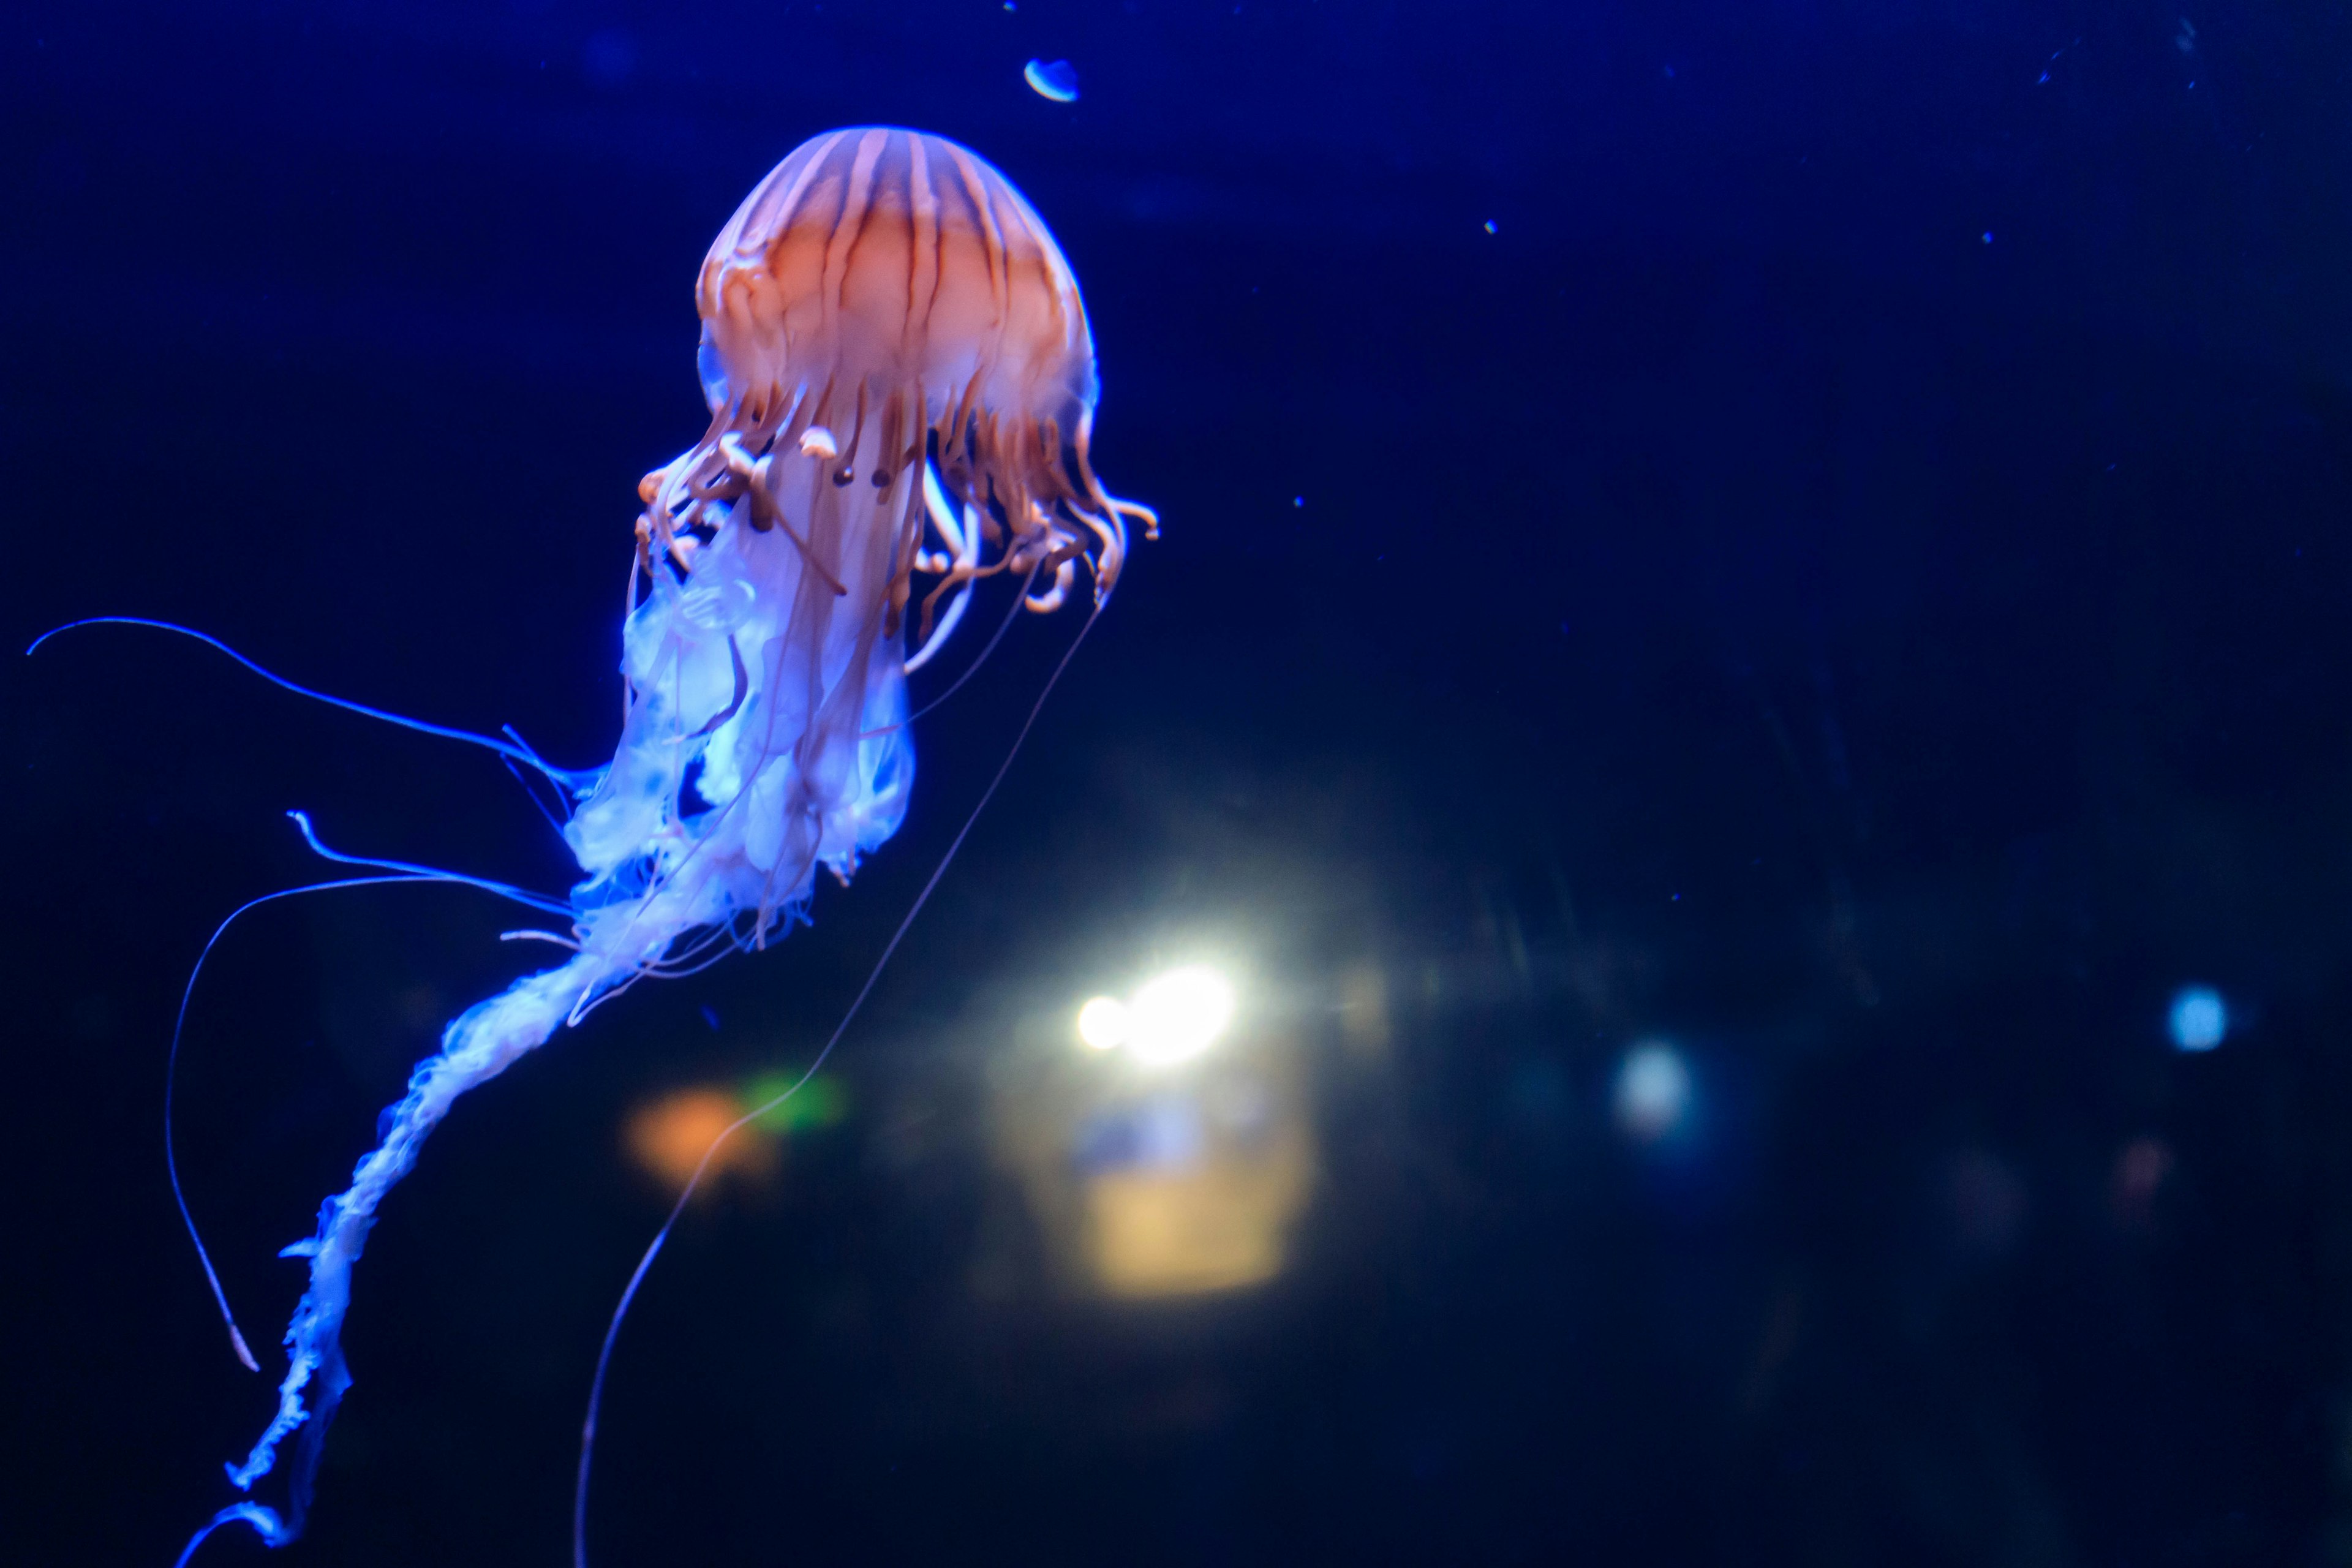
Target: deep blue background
[(1851, 574)]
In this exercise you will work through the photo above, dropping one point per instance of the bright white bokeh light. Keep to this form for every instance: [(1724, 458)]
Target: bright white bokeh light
[(1653, 1091), (1179, 1014), (1102, 1023), (2198, 1019)]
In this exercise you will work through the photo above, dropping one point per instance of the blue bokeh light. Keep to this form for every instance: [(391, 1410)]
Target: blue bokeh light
[(2199, 1018)]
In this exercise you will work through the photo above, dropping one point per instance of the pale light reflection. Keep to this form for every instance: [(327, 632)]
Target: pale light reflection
[(1171, 1019), (1102, 1023), (1179, 1014), (1653, 1091), (1155, 1167), (2199, 1019)]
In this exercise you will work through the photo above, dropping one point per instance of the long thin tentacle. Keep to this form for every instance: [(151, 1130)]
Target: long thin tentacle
[(572, 779), (1011, 614), (540, 901), (653, 1250), (397, 873), (172, 1076)]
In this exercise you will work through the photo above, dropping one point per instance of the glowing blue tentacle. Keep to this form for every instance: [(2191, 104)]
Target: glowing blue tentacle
[(171, 1080), (483, 1042), (576, 780), (265, 1522), (180, 1024), (540, 901), (653, 1249)]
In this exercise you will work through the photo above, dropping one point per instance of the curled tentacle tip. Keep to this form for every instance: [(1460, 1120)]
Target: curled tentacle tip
[(816, 441), (244, 1351)]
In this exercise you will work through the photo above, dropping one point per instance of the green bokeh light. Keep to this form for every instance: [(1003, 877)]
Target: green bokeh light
[(822, 1102)]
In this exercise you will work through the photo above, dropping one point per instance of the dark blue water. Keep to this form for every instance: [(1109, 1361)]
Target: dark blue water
[(1749, 593)]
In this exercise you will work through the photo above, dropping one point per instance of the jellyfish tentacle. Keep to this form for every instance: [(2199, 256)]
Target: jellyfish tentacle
[(765, 512), (172, 1078), (534, 900), (955, 571), (1012, 613), (265, 1522), (482, 1043), (578, 780), (653, 1249)]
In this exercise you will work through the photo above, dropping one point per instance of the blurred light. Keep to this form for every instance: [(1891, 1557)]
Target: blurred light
[(1653, 1090), (1364, 1011), (668, 1137), (1179, 1014), (2139, 1174), (2199, 1018), (800, 1102), (1102, 1023)]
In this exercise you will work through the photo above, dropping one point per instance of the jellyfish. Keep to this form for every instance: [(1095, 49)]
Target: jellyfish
[(901, 386), (1054, 79)]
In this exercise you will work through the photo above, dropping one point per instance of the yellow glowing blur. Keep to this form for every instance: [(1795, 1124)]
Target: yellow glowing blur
[(1102, 1023), (1179, 1014), (1173, 1018)]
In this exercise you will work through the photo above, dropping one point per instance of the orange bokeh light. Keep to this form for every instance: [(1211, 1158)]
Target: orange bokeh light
[(666, 1138)]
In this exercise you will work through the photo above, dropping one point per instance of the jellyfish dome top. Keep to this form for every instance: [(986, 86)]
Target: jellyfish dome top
[(901, 383)]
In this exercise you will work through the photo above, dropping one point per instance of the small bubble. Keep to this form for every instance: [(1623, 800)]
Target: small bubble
[(1986, 237), (1490, 225)]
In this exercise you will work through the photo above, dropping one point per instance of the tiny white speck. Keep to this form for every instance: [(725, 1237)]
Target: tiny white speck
[(1490, 225)]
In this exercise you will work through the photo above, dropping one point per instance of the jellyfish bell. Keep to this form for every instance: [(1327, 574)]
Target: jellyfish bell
[(893, 349), (882, 286), (891, 338)]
